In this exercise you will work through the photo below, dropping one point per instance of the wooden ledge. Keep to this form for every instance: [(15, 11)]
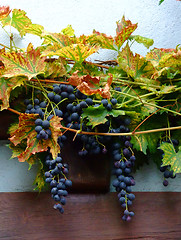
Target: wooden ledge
[(89, 216)]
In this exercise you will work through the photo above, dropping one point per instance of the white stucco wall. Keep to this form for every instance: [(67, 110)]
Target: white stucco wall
[(162, 23)]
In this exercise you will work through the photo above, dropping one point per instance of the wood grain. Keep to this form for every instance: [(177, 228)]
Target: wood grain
[(89, 216)]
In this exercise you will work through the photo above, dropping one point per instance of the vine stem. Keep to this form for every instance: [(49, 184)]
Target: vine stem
[(4, 46), (49, 81), (123, 134), (14, 111), (111, 134)]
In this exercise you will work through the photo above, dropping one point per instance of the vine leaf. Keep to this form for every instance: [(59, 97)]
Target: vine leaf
[(6, 86), (28, 64), (156, 54), (124, 29), (97, 115), (54, 68), (171, 157), (101, 40), (135, 65), (76, 52), (166, 61), (147, 42), (19, 20), (58, 38), (26, 131), (149, 141), (90, 85), (69, 31), (40, 178), (35, 29), (4, 12)]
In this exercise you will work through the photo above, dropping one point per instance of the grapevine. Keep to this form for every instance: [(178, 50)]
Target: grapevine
[(119, 107)]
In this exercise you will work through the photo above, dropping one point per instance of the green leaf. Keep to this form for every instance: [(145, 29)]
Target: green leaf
[(147, 42), (69, 31), (160, 2), (135, 66), (97, 115), (148, 141), (156, 54), (99, 39), (35, 29), (76, 52), (58, 38), (171, 157), (40, 178), (19, 20)]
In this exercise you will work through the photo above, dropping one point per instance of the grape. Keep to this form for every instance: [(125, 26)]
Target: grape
[(117, 89), (109, 107), (165, 183), (104, 102), (74, 117), (26, 101), (29, 106), (70, 89), (64, 95), (36, 101), (71, 97), (38, 129), (114, 101), (89, 101), (38, 122), (57, 98), (83, 104), (51, 96), (45, 124), (43, 104), (56, 89)]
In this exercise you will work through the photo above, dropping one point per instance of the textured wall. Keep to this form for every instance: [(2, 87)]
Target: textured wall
[(15, 176), (162, 23)]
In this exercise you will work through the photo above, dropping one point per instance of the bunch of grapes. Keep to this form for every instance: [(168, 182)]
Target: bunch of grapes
[(56, 177), (124, 159)]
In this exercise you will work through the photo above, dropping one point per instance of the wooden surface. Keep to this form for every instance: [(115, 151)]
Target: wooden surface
[(89, 217)]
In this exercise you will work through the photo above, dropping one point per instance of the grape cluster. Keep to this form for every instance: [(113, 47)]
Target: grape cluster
[(167, 173), (56, 177), (67, 102), (41, 124), (124, 160)]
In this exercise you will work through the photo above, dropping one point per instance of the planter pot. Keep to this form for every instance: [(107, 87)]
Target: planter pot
[(6, 119), (90, 173)]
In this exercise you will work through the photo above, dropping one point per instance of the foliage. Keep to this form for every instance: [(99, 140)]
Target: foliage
[(150, 86)]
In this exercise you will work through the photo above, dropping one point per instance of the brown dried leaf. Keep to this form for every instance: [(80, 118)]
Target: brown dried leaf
[(26, 131), (90, 85)]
